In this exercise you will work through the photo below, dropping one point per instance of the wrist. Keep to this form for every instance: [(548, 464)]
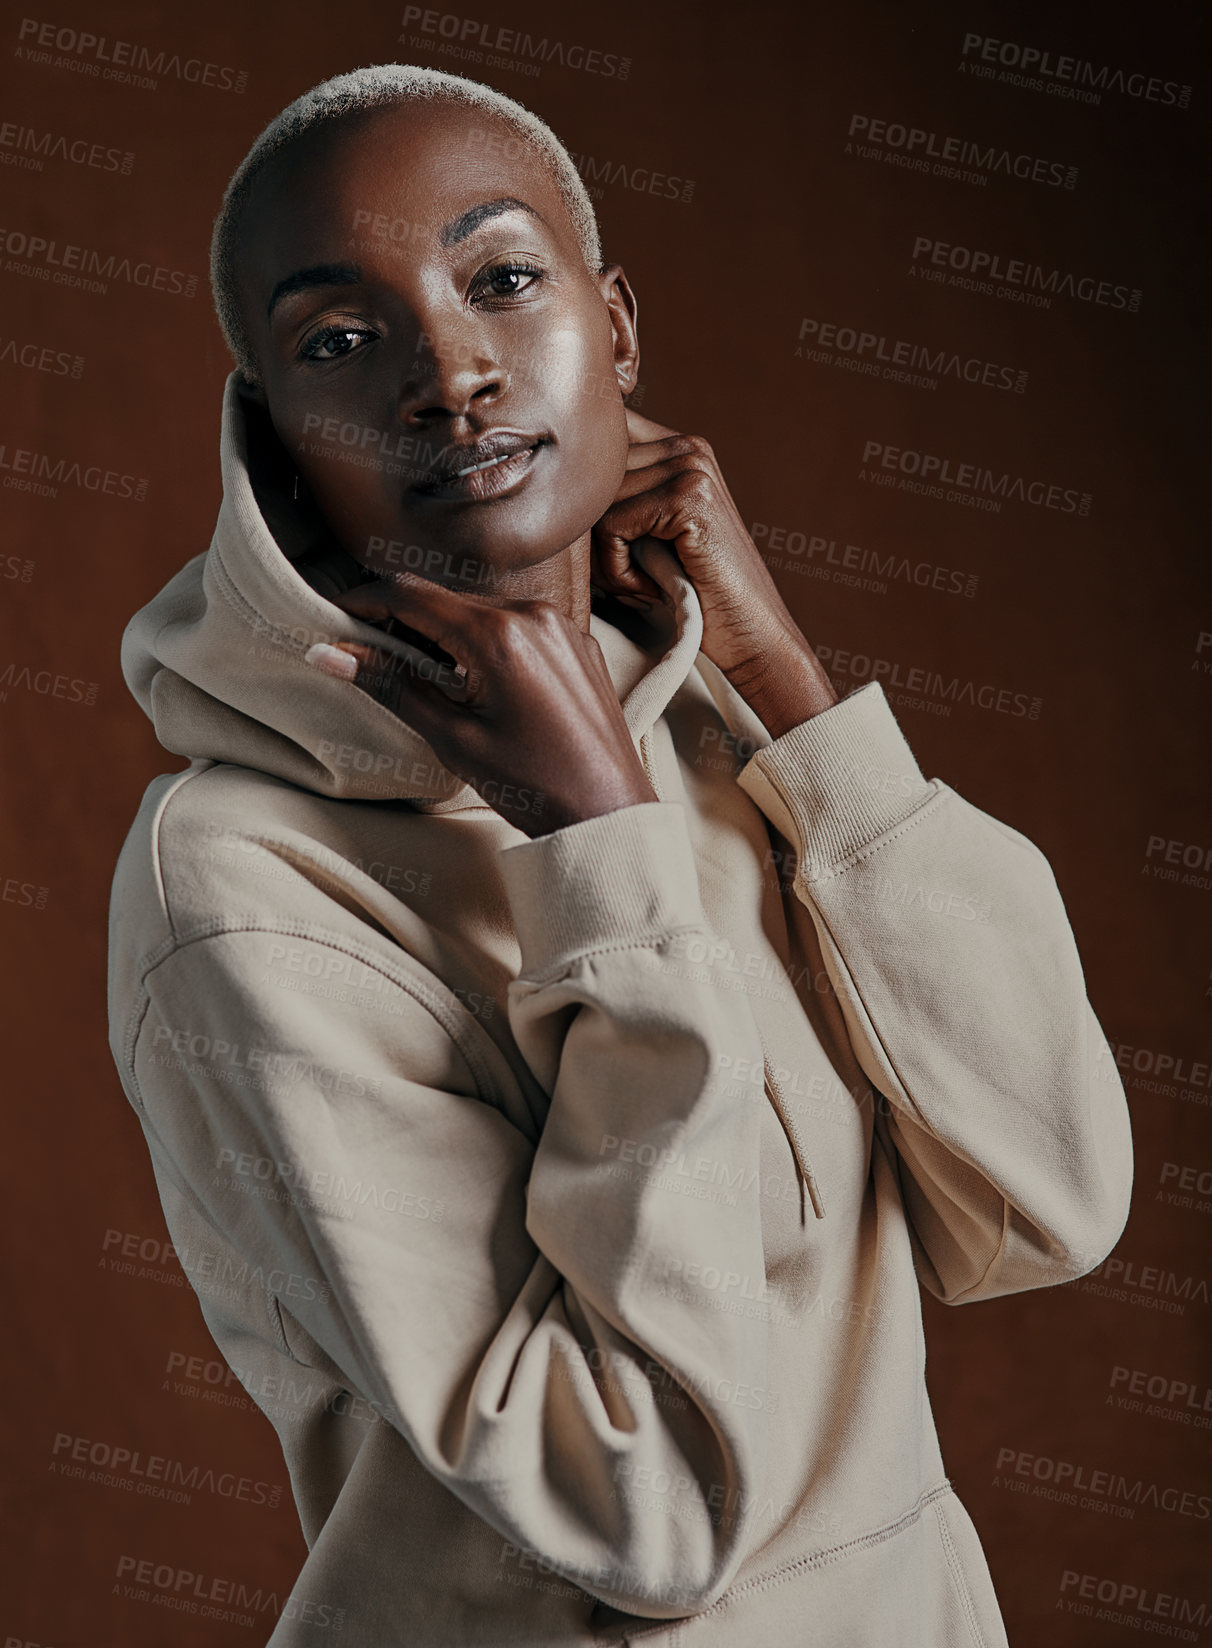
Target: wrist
[(558, 815), (784, 683)]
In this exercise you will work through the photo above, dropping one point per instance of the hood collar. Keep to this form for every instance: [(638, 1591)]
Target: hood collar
[(216, 658)]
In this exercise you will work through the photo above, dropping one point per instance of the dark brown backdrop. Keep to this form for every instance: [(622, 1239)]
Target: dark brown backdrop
[(1064, 653)]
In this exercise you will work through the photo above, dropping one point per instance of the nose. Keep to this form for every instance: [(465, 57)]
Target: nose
[(453, 373)]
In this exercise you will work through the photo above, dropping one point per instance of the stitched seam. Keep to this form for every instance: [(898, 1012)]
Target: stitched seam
[(919, 1116), (836, 1553), (275, 1321), (917, 1113), (788, 799), (823, 1559), (157, 825), (645, 941), (957, 1575), (134, 1030), (1001, 1248), (869, 850), (219, 926)]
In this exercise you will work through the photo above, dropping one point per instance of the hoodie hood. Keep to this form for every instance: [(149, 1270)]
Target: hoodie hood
[(216, 658)]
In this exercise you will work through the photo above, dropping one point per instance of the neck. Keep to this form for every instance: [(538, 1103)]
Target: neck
[(563, 580)]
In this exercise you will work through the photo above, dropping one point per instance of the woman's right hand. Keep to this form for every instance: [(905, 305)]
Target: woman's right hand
[(527, 714)]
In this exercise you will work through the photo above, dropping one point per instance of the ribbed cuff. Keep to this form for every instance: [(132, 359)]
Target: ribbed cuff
[(838, 780), (625, 878)]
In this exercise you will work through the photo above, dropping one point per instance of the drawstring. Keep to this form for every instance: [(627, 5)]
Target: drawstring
[(793, 1139), (807, 1176)]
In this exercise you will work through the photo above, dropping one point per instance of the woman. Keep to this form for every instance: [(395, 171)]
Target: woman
[(565, 1034)]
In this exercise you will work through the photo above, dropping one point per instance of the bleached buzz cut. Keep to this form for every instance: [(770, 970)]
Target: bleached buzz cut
[(344, 96)]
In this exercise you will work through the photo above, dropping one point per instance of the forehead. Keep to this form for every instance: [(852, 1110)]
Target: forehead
[(414, 166)]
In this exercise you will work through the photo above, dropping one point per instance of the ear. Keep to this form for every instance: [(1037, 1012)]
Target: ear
[(620, 301), (252, 393)]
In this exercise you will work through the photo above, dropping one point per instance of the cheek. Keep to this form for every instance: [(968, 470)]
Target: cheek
[(582, 392)]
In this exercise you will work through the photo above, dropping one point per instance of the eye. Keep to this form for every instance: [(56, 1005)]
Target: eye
[(507, 280), (332, 341)]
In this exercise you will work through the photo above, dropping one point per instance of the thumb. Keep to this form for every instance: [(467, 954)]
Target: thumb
[(616, 571)]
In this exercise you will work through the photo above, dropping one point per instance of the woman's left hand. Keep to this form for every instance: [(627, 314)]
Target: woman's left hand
[(673, 490)]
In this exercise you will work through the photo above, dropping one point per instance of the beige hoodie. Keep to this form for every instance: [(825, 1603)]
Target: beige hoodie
[(564, 1203)]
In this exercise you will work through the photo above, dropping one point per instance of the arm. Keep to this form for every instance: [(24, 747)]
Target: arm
[(953, 961), (942, 930), (522, 1344)]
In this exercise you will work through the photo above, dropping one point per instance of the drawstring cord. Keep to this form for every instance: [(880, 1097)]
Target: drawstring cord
[(793, 1139), (807, 1176)]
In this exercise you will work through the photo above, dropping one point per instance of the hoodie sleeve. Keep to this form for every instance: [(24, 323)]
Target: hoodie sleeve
[(955, 967), (516, 1310)]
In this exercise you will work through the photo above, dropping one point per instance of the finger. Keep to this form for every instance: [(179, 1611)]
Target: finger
[(660, 512), (663, 469), (641, 428), (630, 581), (613, 568), (642, 454), (443, 615), (410, 686)]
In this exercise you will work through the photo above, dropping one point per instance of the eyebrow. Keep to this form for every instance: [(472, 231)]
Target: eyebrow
[(471, 220), (320, 274), (349, 274)]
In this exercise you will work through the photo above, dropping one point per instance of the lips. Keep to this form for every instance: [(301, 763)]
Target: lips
[(483, 468)]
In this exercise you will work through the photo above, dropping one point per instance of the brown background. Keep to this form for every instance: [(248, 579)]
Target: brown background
[(1098, 617)]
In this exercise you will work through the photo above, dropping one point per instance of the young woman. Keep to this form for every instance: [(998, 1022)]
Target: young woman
[(565, 1034)]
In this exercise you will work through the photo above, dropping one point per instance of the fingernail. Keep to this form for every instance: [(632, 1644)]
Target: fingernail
[(331, 661)]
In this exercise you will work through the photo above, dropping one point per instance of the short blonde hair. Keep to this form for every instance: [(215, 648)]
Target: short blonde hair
[(377, 86)]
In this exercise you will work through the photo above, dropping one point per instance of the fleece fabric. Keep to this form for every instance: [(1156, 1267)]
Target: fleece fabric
[(565, 1203)]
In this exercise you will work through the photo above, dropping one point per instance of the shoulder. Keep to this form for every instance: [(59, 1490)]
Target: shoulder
[(237, 891), (219, 847)]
